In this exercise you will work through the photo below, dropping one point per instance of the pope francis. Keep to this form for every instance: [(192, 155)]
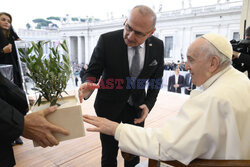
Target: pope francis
[(212, 124)]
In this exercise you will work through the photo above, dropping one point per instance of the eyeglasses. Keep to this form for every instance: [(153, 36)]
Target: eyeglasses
[(137, 33)]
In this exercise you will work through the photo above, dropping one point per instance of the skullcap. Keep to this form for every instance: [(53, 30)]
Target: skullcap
[(221, 43)]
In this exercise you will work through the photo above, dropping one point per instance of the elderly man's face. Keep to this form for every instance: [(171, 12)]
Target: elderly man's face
[(197, 63), (137, 28)]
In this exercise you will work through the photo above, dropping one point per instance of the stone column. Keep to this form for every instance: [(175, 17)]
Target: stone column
[(73, 49), (245, 19), (81, 49)]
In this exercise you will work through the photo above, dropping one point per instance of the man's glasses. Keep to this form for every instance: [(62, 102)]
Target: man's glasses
[(137, 33)]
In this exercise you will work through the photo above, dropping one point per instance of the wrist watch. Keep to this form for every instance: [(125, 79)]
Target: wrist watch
[(1, 52)]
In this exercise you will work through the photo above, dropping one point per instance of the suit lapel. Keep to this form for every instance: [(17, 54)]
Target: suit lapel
[(147, 53), (124, 54), (148, 58)]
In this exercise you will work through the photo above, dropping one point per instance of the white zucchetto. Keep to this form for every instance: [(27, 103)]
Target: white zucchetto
[(221, 43)]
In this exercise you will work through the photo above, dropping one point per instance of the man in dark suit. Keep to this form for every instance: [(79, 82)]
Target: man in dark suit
[(82, 72), (188, 84), (176, 82), (13, 123), (121, 96)]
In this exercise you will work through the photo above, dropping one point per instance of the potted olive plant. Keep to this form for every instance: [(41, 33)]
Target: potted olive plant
[(50, 74)]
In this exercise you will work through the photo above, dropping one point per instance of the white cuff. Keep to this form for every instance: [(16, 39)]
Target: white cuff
[(118, 131)]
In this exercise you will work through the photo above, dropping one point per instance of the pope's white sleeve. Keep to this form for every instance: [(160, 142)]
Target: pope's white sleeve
[(139, 141)]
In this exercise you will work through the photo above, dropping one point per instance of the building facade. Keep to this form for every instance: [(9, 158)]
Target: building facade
[(178, 29)]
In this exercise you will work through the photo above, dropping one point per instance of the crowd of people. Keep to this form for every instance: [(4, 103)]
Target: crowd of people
[(79, 71), (211, 124), (172, 65)]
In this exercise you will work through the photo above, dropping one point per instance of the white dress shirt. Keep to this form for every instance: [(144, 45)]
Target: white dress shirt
[(176, 80)]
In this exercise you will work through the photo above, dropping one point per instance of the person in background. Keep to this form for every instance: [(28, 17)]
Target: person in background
[(76, 80), (241, 61), (166, 65), (182, 66), (212, 124), (172, 66), (13, 122), (189, 86), (125, 59), (82, 72), (8, 54), (176, 81)]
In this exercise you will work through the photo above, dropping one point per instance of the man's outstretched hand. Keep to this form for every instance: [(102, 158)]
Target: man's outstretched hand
[(86, 89)]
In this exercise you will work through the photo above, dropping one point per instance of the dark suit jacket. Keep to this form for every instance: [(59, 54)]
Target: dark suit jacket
[(13, 107), (171, 83), (11, 58), (110, 60), (82, 72), (188, 84)]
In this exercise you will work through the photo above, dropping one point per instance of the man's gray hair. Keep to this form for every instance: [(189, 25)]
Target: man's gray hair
[(145, 10), (210, 50)]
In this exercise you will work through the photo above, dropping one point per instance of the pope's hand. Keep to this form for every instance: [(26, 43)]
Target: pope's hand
[(86, 89), (102, 125), (37, 128)]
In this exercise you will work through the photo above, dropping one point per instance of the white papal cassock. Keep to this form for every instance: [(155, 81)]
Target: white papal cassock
[(214, 123)]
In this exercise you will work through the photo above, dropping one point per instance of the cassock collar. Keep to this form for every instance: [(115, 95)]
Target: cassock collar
[(211, 80)]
